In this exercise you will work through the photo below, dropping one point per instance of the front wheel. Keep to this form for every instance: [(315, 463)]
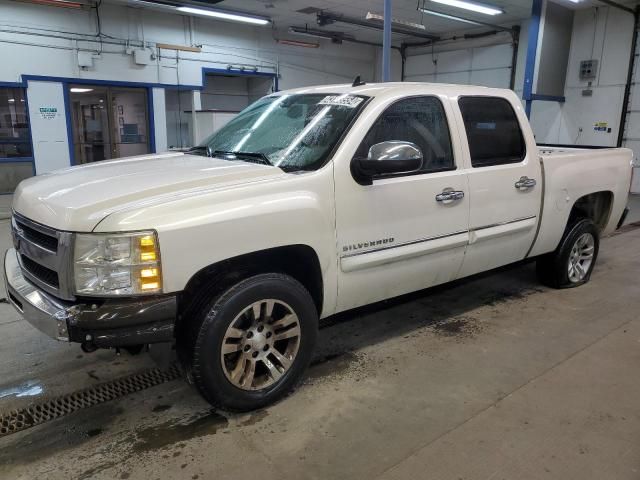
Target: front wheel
[(254, 342), (572, 262)]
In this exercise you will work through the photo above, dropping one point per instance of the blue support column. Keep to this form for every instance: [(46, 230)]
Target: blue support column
[(532, 50), (386, 43)]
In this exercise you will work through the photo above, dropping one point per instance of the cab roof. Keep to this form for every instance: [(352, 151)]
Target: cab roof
[(410, 88)]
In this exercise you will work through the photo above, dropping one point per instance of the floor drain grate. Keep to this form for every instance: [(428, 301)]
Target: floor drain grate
[(39, 413)]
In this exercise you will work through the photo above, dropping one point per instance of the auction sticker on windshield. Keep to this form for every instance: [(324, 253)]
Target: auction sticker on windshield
[(341, 101)]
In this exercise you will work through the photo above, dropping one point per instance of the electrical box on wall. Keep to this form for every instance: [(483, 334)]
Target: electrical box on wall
[(143, 57), (588, 69), (85, 59)]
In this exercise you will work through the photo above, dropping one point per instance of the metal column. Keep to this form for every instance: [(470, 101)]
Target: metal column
[(532, 50), (386, 43)]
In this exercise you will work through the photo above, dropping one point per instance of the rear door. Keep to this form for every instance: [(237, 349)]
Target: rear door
[(505, 183)]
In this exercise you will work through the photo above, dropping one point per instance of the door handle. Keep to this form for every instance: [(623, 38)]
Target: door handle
[(449, 196), (525, 183)]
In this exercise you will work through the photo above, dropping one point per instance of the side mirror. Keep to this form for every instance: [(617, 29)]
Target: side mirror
[(387, 158)]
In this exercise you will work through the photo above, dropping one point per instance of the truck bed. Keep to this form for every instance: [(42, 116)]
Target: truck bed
[(570, 173)]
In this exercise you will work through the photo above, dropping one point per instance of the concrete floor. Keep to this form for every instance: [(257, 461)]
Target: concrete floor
[(491, 378)]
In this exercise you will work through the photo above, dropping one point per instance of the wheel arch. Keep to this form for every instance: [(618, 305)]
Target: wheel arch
[(298, 261), (595, 206)]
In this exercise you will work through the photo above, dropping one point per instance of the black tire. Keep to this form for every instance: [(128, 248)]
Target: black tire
[(211, 324), (553, 268)]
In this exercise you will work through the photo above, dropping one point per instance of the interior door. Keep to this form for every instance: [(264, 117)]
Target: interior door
[(505, 184), (401, 234), (108, 122), (129, 121), (91, 132)]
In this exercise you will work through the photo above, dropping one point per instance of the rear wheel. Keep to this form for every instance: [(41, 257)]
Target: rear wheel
[(572, 262), (254, 342)]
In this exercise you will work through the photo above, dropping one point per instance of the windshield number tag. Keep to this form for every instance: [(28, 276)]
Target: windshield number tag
[(341, 101)]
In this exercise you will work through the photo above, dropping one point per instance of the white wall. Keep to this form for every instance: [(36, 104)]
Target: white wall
[(48, 126), (603, 34), (25, 51)]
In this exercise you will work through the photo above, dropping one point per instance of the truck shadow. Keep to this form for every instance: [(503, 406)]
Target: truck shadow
[(444, 309)]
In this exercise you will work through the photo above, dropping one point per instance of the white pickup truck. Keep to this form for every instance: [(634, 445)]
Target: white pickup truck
[(310, 202)]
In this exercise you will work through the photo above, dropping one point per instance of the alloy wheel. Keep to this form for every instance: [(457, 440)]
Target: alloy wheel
[(581, 257), (260, 345)]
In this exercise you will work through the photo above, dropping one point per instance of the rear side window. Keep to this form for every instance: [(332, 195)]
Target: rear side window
[(493, 131), (419, 120)]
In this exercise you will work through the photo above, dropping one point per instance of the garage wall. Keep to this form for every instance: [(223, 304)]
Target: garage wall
[(44, 41), (603, 34), (32, 41)]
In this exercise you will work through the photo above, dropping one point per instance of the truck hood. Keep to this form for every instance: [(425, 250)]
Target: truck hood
[(78, 198)]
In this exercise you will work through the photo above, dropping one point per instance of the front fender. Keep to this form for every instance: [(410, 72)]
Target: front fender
[(200, 230)]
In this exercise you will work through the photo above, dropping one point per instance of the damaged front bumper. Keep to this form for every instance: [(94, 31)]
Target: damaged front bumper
[(105, 323)]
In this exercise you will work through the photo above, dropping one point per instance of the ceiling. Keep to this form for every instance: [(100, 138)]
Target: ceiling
[(284, 13)]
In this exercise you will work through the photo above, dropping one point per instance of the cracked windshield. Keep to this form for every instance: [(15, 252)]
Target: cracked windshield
[(292, 132)]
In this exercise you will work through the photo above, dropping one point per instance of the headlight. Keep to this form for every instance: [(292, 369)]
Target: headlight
[(117, 264)]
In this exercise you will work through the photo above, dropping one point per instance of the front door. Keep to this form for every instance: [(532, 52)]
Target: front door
[(505, 184), (400, 234), (108, 122)]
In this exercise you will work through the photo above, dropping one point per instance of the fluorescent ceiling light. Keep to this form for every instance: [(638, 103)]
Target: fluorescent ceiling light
[(474, 7), (297, 43), (394, 21), (80, 90), (448, 17), (234, 17), (11, 100), (335, 37), (57, 3)]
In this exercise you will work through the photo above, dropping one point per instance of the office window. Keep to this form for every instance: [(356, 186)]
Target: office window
[(14, 124)]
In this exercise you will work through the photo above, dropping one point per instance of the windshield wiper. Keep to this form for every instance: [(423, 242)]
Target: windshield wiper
[(249, 156), (200, 149)]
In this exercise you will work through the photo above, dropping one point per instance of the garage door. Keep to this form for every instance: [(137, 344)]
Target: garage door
[(488, 65), (631, 135)]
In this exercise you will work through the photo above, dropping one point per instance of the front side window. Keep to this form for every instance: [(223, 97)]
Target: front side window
[(419, 120), (293, 132), (493, 131), (14, 124)]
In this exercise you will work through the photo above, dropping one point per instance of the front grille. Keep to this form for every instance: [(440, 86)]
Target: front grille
[(40, 272), (37, 237), (45, 255)]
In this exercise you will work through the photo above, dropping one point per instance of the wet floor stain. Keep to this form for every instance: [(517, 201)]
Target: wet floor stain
[(254, 418), (170, 432), (58, 435), (497, 297), (331, 364), (30, 388), (94, 432), (456, 327), (160, 408)]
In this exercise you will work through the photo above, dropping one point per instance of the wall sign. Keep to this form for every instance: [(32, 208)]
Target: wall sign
[(600, 127), (48, 113)]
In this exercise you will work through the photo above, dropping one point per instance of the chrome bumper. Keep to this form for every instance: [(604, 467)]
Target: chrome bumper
[(43, 311), (111, 322)]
